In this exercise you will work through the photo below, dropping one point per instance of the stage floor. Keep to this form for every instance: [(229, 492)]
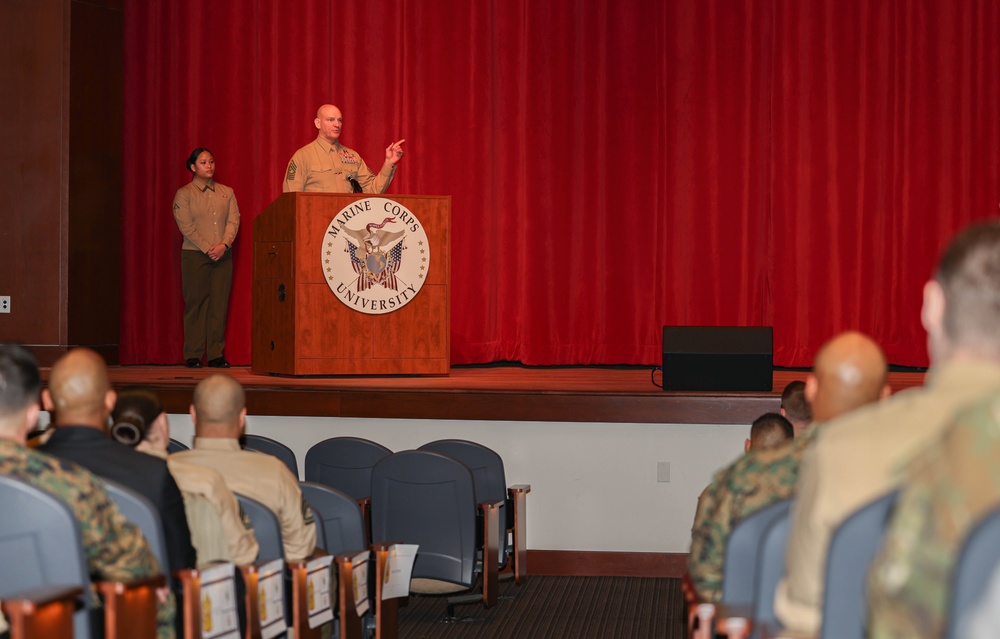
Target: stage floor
[(495, 392)]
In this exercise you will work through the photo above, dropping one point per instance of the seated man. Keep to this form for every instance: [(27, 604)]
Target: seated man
[(795, 406), (115, 549), (220, 530), (855, 459), (770, 430), (219, 414), (849, 371), (946, 490), (80, 398)]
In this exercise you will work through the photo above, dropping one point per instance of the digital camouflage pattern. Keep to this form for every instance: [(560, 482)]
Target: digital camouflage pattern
[(945, 490), (755, 480), (115, 548)]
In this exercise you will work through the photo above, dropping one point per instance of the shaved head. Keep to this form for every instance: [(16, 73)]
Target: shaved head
[(219, 407), (79, 392), (329, 121), (850, 371)]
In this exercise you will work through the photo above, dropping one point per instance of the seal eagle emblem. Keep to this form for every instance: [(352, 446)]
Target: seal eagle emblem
[(375, 255)]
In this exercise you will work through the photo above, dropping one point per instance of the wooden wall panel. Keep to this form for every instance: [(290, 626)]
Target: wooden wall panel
[(33, 136), (60, 173)]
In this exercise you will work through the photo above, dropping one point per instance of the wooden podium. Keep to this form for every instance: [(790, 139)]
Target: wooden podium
[(300, 327)]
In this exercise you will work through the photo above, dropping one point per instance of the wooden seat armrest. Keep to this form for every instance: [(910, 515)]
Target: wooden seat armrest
[(42, 612), (491, 550), (251, 576), (517, 496), (130, 607), (725, 612), (348, 620), (386, 612), (300, 602)]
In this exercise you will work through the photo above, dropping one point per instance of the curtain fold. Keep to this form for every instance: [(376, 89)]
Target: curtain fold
[(613, 166)]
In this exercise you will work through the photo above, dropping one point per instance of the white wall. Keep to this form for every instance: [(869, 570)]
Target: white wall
[(593, 486)]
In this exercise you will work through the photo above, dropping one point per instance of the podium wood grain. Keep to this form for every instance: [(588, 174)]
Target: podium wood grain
[(301, 328)]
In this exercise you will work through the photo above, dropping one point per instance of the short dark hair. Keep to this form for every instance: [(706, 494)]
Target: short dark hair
[(20, 381), (969, 275), (793, 400), (194, 157), (135, 411), (769, 430)]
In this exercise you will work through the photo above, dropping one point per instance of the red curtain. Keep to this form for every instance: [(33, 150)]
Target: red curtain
[(614, 166)]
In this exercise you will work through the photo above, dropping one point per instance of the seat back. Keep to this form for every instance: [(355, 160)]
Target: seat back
[(339, 526), (743, 552), (266, 528), (175, 446), (487, 474), (977, 561), (345, 463), (141, 512), (273, 447), (422, 497), (41, 546), (852, 548), (771, 562)]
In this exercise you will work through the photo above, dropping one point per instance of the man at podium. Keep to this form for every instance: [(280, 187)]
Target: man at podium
[(326, 166)]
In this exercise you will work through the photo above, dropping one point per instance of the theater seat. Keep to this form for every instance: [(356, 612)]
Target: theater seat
[(273, 447), (852, 548), (429, 499), (41, 547), (491, 486), (346, 463), (977, 562)]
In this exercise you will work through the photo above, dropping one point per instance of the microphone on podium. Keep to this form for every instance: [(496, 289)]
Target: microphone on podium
[(355, 187)]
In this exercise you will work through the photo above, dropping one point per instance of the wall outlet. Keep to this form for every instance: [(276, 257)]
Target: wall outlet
[(663, 471), (4, 303)]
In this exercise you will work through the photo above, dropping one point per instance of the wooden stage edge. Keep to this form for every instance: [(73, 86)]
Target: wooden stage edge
[(493, 393)]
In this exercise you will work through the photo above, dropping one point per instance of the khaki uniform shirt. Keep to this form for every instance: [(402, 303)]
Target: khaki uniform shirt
[(220, 530), (853, 462), (206, 214), (321, 167), (755, 480), (945, 491), (266, 479)]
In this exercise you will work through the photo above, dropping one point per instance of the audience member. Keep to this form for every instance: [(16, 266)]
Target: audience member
[(115, 549), (768, 431), (795, 406), (947, 488), (219, 415), (220, 530), (849, 371), (855, 458), (80, 399)]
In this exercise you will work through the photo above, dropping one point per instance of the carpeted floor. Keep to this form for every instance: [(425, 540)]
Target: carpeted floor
[(557, 607)]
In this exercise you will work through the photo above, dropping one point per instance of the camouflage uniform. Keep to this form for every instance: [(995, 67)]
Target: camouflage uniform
[(946, 489), (756, 480), (115, 549)]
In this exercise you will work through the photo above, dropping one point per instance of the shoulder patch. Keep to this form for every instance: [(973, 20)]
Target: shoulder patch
[(244, 517), (292, 170), (307, 513)]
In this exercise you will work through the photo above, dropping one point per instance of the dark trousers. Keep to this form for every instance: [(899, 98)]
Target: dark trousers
[(206, 285)]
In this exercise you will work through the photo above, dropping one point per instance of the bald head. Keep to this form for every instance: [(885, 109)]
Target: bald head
[(849, 372), (79, 392), (219, 408), (329, 122)]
